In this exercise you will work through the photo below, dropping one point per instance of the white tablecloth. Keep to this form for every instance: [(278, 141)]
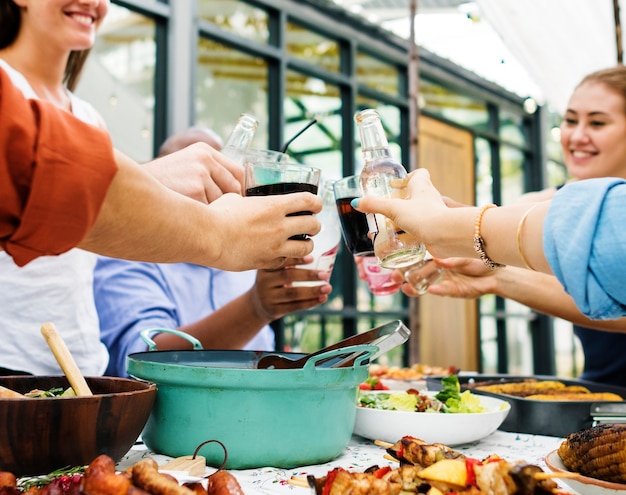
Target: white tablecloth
[(361, 454)]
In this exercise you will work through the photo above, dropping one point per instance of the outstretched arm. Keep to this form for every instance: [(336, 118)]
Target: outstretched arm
[(448, 232), (272, 296), (580, 232), (143, 220), (469, 278)]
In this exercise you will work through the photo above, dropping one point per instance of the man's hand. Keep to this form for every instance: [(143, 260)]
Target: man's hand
[(255, 232), (199, 172), (273, 294)]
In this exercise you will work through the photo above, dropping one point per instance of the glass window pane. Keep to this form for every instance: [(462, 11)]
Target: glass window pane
[(118, 80), (553, 136), (455, 107), (377, 74), (488, 336), (229, 83), (512, 128), (484, 177), (557, 173), (312, 47), (320, 145), (512, 171), (237, 17)]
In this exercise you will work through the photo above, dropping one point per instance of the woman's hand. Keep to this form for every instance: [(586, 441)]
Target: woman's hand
[(413, 213), (423, 212), (464, 277)]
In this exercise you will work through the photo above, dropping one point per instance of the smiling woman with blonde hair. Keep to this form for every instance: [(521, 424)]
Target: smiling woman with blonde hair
[(593, 141)]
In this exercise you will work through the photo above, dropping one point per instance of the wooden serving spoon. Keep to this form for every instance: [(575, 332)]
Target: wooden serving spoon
[(65, 359)]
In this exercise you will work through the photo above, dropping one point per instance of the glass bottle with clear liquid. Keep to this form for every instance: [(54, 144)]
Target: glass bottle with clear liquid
[(240, 138), (393, 247)]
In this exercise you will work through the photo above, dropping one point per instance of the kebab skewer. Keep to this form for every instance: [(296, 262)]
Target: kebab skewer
[(436, 469)]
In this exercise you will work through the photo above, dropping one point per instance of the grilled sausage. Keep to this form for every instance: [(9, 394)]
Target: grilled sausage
[(7, 479), (147, 477), (100, 478), (196, 487), (223, 483)]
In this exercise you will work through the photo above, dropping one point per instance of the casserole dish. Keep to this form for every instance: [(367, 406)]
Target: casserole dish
[(264, 417)]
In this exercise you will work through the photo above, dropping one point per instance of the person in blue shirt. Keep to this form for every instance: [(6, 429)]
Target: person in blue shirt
[(593, 141), (578, 236), (224, 310)]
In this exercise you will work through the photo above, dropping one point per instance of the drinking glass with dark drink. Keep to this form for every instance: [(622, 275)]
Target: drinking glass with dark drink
[(269, 178), (355, 230), (355, 234)]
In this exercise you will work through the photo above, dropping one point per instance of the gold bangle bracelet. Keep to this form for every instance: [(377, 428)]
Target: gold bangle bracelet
[(520, 227), (479, 242)]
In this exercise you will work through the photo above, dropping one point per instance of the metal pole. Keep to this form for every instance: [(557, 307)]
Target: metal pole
[(413, 90), (618, 32), (413, 81)]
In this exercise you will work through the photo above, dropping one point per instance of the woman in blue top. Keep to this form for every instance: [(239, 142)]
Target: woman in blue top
[(593, 140)]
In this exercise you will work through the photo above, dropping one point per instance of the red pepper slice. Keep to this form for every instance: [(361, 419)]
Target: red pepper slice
[(330, 478), (379, 473), (400, 451), (470, 464)]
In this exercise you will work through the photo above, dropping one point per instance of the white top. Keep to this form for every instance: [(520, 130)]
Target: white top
[(58, 289)]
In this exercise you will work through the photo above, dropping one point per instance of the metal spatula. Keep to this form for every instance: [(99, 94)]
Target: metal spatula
[(386, 337)]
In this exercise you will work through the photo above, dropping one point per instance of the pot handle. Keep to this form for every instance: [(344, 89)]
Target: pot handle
[(145, 336), (358, 353)]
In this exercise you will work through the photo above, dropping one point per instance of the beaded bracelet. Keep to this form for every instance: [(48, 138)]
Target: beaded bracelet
[(520, 227), (479, 242)]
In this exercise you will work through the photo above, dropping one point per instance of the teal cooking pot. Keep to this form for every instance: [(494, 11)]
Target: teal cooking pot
[(264, 417)]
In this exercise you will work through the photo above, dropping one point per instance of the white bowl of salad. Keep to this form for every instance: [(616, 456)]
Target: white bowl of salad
[(448, 416)]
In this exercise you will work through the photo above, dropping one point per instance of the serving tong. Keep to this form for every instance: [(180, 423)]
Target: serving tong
[(608, 413), (385, 337)]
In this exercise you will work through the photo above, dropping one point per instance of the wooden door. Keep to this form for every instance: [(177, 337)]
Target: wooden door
[(445, 330)]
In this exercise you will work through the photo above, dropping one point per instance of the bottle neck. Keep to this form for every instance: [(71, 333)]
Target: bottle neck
[(374, 144), (242, 134)]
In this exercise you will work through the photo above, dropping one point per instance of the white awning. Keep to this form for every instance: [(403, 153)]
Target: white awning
[(537, 48)]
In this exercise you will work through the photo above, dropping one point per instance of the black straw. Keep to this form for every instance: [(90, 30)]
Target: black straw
[(286, 145)]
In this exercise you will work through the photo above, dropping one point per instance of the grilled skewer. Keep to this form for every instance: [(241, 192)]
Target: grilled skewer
[(443, 471)]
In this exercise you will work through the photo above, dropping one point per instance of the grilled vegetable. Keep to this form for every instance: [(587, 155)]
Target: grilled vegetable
[(451, 471), (598, 452), (411, 450)]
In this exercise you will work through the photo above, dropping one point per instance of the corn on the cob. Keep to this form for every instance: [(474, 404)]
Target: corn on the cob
[(598, 452)]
